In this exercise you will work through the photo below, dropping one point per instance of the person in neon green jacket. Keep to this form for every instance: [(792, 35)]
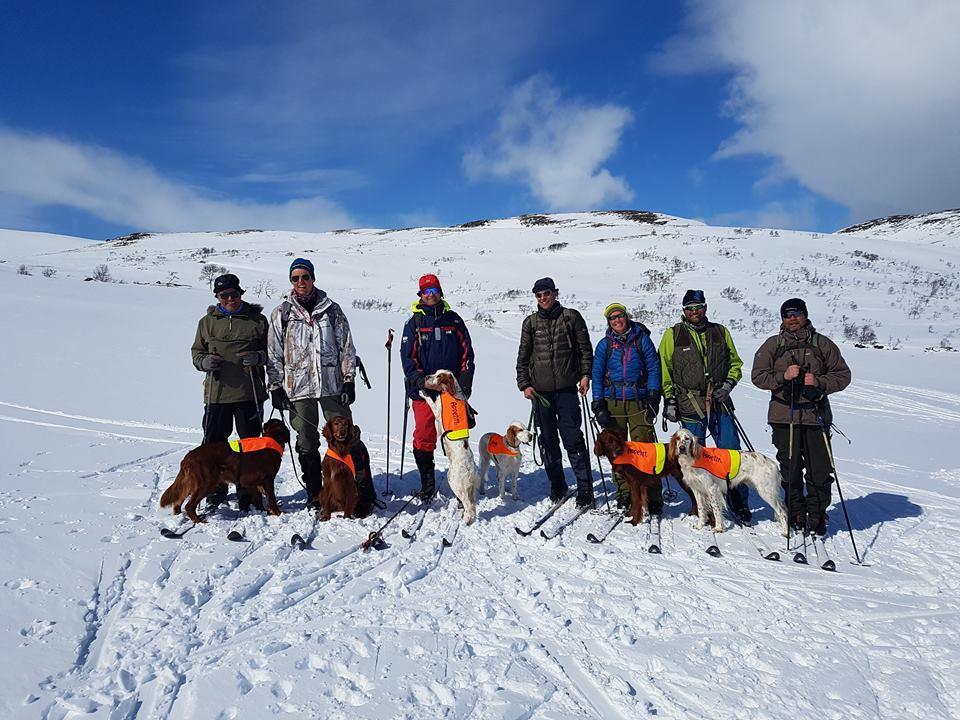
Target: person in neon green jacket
[(700, 368)]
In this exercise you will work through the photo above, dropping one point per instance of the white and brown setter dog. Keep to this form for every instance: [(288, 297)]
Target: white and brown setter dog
[(707, 471), (463, 478), (503, 452)]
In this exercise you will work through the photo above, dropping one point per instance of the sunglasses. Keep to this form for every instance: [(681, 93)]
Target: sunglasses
[(617, 316), (543, 294), (232, 295), (792, 314), (300, 278), (698, 306), (430, 291)]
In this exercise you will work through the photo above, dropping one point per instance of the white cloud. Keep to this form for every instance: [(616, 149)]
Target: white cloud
[(42, 171), (857, 100), (793, 215), (555, 146)]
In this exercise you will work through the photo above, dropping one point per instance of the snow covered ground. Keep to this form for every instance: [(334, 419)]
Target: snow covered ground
[(103, 618)]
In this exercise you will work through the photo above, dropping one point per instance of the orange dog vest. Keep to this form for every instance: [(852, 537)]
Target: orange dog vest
[(725, 464), (246, 445), (648, 458), (346, 460), (454, 417), (498, 446)]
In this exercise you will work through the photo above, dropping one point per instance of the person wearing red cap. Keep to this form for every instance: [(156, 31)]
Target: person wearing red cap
[(434, 338)]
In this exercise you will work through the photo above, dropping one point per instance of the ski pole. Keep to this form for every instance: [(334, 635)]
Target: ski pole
[(833, 466), (374, 538), (790, 474), (388, 345), (403, 442), (736, 421), (588, 423)]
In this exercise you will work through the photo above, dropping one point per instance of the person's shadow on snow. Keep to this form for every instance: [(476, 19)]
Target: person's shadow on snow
[(873, 509)]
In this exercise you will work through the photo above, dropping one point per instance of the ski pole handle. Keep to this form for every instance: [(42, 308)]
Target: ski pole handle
[(389, 343)]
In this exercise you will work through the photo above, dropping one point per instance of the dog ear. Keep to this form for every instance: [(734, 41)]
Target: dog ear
[(695, 448), (672, 448), (327, 432)]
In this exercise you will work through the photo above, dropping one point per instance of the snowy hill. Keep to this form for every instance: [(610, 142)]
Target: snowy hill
[(936, 228), (105, 619)]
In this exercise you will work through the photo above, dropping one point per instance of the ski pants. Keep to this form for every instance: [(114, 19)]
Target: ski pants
[(630, 417), (561, 421), (219, 418), (424, 427), (305, 418), (810, 466), (724, 433)]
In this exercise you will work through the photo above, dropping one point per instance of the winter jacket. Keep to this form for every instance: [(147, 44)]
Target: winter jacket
[(692, 359), (435, 338), (555, 351), (626, 370), (226, 335), (313, 356), (814, 353)]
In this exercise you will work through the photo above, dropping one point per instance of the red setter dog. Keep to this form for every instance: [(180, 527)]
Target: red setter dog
[(612, 445), (340, 471), (205, 468)]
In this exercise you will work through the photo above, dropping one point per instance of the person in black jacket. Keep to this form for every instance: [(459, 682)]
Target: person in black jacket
[(434, 338), (555, 361)]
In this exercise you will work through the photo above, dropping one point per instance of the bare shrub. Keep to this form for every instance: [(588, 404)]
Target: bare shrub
[(867, 334), (101, 273), (484, 318), (211, 271), (23, 270), (49, 272), (733, 294), (264, 288), (372, 304)]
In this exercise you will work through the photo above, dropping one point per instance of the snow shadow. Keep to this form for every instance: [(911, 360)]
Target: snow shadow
[(873, 509)]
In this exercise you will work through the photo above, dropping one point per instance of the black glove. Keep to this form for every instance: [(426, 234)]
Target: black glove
[(211, 362), (812, 393), (722, 393), (348, 393), (253, 358), (418, 383), (466, 383), (601, 412), (653, 402), (670, 410), (279, 399)]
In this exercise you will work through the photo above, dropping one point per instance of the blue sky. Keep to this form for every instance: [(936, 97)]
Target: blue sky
[(117, 116)]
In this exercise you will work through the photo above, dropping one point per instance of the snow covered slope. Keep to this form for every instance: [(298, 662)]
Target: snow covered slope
[(105, 619), (936, 228)]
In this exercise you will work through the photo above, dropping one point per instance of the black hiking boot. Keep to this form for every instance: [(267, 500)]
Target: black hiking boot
[(311, 467), (817, 526), (585, 500), (216, 498), (743, 515), (428, 480), (798, 521), (558, 492)]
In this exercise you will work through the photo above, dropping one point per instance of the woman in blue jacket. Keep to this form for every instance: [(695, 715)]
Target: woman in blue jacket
[(626, 386)]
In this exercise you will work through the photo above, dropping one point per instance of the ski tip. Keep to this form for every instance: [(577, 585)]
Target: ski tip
[(447, 543), (543, 534), (169, 534), (298, 541), (800, 558), (235, 536), (775, 556), (592, 538), (521, 533), (655, 550), (713, 551), (829, 566)]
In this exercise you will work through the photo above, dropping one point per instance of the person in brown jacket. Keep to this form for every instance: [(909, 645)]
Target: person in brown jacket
[(800, 367)]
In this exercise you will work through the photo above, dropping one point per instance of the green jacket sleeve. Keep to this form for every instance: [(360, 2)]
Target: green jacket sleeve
[(199, 348), (666, 362), (736, 363)]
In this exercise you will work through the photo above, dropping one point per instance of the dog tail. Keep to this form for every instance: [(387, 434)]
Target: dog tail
[(172, 493)]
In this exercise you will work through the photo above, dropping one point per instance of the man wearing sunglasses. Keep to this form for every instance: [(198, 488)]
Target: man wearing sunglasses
[(800, 367), (311, 364), (231, 348), (554, 362), (700, 368), (434, 338)]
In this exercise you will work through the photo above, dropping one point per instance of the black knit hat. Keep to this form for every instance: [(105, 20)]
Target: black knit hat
[(544, 284), (795, 304), (227, 282), (694, 297)]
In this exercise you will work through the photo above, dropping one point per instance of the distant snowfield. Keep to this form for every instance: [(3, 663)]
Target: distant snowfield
[(103, 618)]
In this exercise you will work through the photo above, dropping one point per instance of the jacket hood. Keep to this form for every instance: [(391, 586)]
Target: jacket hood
[(801, 335), (418, 308), (323, 301), (245, 309), (635, 331)]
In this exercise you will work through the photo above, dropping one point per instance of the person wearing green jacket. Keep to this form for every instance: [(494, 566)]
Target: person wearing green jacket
[(700, 368), (231, 349)]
